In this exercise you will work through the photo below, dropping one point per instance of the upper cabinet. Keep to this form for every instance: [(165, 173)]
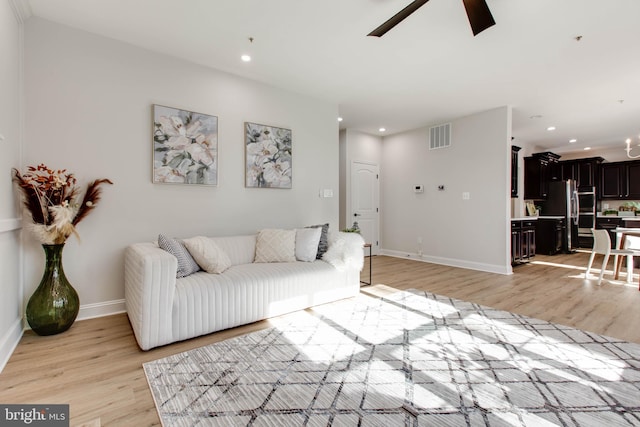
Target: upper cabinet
[(539, 170), (620, 180), (514, 171), (616, 180), (584, 171)]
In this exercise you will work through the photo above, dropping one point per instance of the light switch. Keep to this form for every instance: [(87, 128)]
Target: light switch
[(327, 192), (466, 195)]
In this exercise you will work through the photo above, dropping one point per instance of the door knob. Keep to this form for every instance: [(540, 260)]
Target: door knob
[(356, 214)]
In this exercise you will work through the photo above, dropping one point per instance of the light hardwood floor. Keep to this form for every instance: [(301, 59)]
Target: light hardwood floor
[(96, 365)]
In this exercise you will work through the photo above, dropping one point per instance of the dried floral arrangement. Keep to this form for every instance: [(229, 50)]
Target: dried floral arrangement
[(53, 200)]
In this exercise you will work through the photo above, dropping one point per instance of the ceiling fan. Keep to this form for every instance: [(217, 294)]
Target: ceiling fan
[(478, 13)]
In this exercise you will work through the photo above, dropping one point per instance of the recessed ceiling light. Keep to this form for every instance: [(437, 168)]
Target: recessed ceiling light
[(382, 129), (245, 58), (550, 128), (339, 119), (571, 141), (587, 148)]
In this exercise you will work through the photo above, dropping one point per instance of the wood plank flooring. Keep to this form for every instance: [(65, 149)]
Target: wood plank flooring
[(96, 365)]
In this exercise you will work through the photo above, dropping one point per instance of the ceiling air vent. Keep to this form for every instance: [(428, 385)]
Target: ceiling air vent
[(440, 136)]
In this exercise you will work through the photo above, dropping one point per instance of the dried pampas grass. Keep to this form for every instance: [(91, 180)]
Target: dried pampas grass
[(50, 197)]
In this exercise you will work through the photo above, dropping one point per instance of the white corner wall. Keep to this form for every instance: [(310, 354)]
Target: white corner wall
[(88, 109), (473, 233), (10, 223)]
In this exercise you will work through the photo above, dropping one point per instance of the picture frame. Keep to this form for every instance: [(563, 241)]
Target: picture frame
[(268, 156), (185, 147), (531, 209)]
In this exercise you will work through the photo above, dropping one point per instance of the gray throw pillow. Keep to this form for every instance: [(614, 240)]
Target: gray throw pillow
[(324, 241), (186, 264)]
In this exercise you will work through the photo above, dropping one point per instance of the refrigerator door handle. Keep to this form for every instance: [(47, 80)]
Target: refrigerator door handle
[(576, 207)]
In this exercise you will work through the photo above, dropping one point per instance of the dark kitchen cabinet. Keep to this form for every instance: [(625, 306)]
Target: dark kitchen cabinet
[(539, 169), (620, 180), (523, 240), (549, 235), (610, 224), (584, 171), (514, 171), (516, 242), (612, 181), (633, 180), (588, 171)]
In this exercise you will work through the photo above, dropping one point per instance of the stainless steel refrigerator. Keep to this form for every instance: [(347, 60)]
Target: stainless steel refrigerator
[(586, 215), (562, 200)]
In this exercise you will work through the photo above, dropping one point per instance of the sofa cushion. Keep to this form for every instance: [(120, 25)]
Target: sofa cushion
[(273, 245), (186, 264), (240, 249), (307, 240), (323, 245), (208, 254)]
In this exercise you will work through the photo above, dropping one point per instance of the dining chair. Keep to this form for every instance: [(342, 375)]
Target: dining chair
[(602, 245), (629, 239)]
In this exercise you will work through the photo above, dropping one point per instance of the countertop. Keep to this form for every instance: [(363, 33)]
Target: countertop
[(529, 218), (629, 218)]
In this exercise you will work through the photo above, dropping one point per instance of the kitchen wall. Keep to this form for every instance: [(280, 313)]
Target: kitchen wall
[(10, 223), (471, 233), (88, 109)]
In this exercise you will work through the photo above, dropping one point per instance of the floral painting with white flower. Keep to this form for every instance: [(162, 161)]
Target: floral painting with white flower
[(268, 156), (185, 147)]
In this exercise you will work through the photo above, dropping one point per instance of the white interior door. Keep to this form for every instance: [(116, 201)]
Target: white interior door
[(365, 191)]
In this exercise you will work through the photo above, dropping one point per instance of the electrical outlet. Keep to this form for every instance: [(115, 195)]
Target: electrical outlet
[(466, 195)]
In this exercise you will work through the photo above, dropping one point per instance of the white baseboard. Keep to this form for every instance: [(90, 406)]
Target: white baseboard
[(101, 309), (470, 265), (9, 342)]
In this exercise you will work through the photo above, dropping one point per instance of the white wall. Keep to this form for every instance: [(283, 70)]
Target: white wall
[(88, 109), (470, 233), (10, 128)]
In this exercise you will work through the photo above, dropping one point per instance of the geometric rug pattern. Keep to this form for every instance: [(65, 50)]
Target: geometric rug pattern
[(409, 359)]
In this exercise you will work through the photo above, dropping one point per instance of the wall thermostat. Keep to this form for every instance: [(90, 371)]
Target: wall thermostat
[(418, 189)]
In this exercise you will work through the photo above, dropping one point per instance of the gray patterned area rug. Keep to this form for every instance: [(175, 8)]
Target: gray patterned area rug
[(408, 359)]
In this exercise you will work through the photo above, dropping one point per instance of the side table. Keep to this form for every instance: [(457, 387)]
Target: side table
[(368, 245)]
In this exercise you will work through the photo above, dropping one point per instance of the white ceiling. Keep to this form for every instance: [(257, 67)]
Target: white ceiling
[(427, 70)]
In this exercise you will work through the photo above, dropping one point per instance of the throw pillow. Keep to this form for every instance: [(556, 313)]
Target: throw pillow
[(276, 246), (324, 241), (307, 240), (186, 263), (209, 256)]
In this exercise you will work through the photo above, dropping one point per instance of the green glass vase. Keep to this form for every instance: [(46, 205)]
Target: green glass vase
[(53, 307)]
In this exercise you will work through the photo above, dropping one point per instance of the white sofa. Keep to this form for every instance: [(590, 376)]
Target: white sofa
[(163, 309)]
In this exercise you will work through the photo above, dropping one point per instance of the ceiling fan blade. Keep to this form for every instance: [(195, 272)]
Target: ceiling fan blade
[(479, 15), (397, 18)]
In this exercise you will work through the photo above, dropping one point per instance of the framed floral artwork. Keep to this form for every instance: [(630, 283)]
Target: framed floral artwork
[(267, 156), (185, 147)]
